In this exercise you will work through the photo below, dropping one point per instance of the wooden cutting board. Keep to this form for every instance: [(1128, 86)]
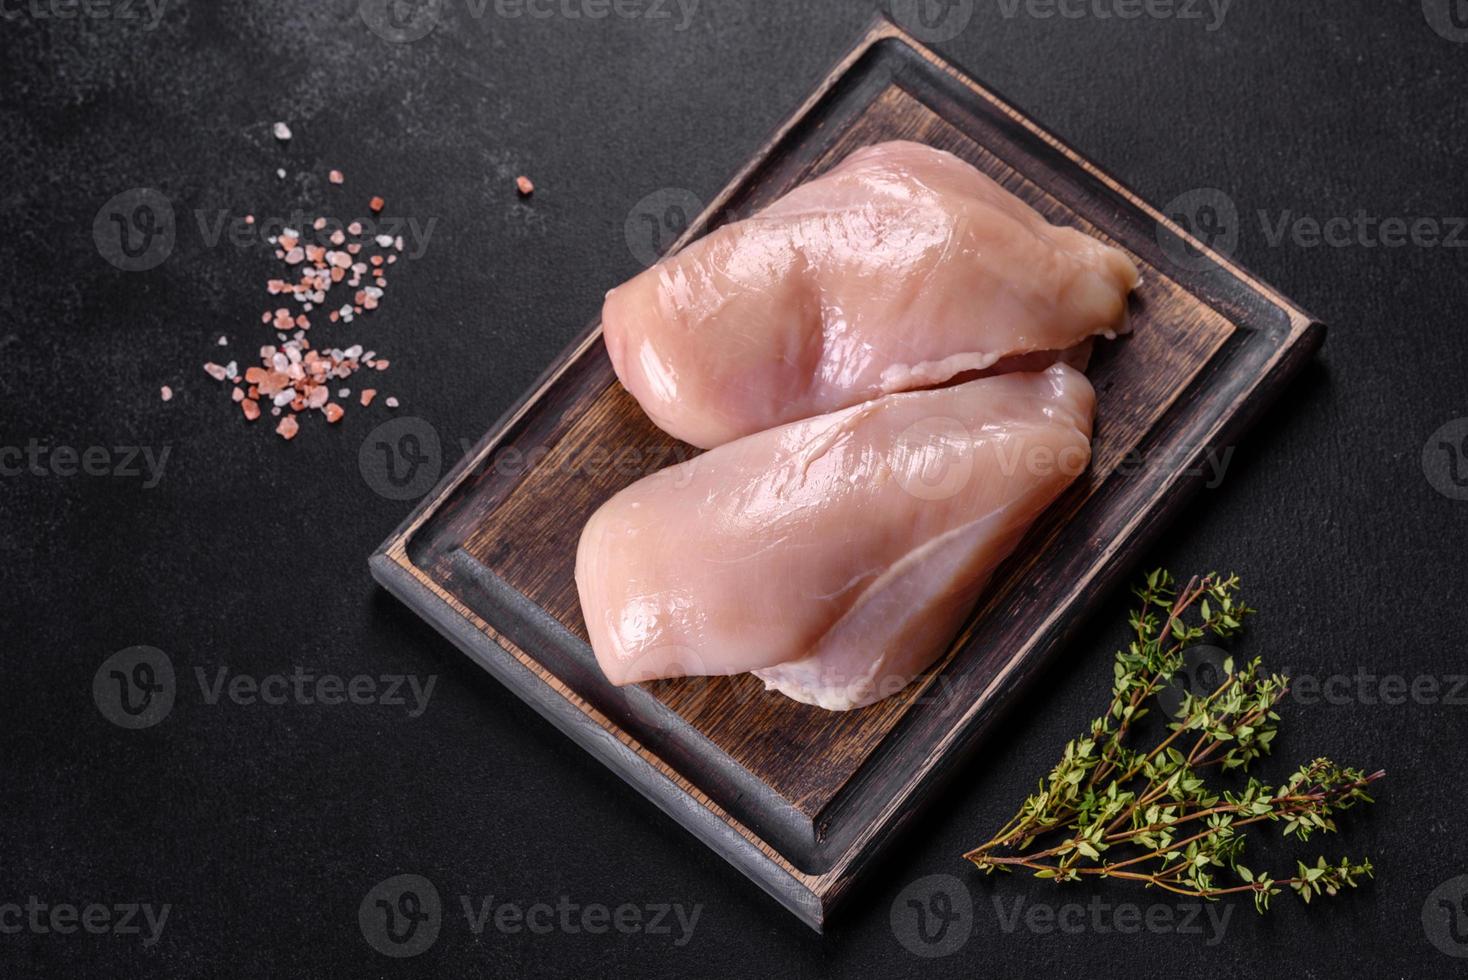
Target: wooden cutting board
[(799, 799)]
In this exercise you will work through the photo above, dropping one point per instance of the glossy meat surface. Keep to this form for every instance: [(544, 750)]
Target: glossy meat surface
[(900, 269), (837, 556)]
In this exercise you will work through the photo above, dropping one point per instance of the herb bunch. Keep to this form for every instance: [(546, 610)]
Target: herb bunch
[(1111, 811)]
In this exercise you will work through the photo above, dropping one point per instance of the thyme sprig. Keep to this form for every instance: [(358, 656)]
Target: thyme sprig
[(1113, 811)]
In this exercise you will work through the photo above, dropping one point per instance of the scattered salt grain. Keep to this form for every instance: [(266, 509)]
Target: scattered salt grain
[(336, 177), (292, 376), (524, 186), (282, 131), (166, 393)]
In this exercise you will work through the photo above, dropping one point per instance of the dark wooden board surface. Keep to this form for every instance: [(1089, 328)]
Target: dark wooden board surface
[(799, 798)]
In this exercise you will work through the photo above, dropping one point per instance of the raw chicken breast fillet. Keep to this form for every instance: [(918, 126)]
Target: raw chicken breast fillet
[(838, 556), (902, 268)]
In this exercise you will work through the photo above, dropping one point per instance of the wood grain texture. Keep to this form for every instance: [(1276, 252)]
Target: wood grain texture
[(802, 799)]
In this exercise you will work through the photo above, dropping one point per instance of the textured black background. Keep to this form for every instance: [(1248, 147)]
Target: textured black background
[(265, 826)]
